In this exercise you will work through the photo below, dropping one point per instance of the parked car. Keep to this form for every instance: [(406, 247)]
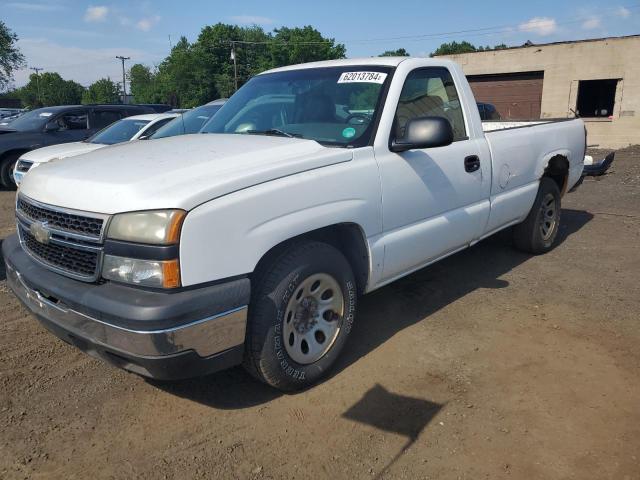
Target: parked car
[(488, 111), (191, 121), (10, 112), (6, 120), (251, 242), (125, 130), (53, 125)]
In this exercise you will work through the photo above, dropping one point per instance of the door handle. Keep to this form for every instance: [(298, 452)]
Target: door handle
[(471, 163)]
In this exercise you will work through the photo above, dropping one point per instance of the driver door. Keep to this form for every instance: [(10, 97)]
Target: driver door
[(435, 200)]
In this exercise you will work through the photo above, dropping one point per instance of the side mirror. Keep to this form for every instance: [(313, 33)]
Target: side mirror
[(424, 132), (51, 127)]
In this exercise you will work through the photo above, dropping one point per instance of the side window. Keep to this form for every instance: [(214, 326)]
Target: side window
[(102, 118), (156, 126), (430, 92), (72, 121)]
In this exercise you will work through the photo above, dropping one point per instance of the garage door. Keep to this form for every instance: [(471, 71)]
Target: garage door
[(515, 95)]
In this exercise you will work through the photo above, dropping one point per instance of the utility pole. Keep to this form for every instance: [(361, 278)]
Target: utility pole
[(37, 70), (124, 85), (235, 64)]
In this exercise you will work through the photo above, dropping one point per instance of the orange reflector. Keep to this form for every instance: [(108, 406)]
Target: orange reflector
[(170, 274), (173, 230)]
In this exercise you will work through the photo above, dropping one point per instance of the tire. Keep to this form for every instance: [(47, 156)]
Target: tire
[(538, 232), (306, 294), (6, 171)]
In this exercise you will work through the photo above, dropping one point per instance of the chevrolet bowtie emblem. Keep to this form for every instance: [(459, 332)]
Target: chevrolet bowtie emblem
[(40, 232)]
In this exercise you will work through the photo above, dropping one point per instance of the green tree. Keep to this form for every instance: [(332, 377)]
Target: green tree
[(454, 48), (144, 85), (198, 72), (300, 45), (49, 88), (400, 52), (10, 57), (102, 91)]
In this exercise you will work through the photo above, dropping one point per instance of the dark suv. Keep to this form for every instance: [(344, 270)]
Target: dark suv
[(52, 125)]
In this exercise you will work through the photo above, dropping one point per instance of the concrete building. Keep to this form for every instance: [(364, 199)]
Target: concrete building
[(599, 79)]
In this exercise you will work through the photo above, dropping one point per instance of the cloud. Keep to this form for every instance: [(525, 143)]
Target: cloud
[(591, 23), (623, 12), (97, 13), (34, 7), (147, 23), (540, 25), (252, 20), (83, 65)]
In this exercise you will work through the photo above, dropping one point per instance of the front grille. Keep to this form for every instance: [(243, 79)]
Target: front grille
[(67, 258), (70, 222), (24, 166), (72, 244)]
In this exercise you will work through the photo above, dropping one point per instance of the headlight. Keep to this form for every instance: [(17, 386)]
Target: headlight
[(149, 273), (158, 227)]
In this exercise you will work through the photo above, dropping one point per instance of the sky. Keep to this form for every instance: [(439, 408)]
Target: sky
[(80, 39)]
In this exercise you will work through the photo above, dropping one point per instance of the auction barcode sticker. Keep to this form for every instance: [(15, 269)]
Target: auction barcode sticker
[(366, 77)]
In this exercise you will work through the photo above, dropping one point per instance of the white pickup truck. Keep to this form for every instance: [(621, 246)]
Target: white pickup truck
[(251, 241)]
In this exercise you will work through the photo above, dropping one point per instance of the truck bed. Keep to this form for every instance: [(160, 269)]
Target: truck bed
[(495, 125)]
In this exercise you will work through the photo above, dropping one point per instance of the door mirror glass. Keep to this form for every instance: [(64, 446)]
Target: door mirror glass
[(424, 132)]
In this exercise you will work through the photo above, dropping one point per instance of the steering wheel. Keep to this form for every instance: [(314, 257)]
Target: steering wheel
[(365, 118)]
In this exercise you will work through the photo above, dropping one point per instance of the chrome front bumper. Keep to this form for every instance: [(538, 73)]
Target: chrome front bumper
[(206, 337)]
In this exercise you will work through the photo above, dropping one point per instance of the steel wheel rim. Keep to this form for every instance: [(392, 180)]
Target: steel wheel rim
[(549, 216), (313, 318)]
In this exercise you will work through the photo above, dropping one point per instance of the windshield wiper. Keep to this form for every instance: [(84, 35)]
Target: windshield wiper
[(274, 131)]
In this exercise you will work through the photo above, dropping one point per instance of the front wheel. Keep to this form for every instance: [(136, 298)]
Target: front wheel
[(302, 310), (538, 232)]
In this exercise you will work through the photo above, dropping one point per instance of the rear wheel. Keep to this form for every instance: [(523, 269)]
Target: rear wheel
[(538, 232), (7, 165), (302, 309)]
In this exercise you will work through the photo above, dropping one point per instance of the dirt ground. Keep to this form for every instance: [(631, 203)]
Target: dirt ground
[(490, 364)]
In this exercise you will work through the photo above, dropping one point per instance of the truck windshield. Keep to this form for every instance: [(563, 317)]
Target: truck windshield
[(118, 132), (334, 106), (30, 121)]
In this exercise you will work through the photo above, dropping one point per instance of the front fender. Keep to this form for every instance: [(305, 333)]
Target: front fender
[(228, 236)]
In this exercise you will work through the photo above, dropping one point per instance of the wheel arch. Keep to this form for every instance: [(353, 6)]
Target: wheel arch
[(13, 151), (348, 237), (556, 167)]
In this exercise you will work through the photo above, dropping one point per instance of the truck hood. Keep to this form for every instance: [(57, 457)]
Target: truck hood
[(174, 172)]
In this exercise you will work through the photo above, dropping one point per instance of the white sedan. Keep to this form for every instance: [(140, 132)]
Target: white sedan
[(126, 130)]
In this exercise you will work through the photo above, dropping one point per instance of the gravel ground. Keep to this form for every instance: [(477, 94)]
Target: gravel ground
[(490, 364)]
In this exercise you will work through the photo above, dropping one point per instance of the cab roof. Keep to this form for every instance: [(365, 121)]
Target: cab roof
[(364, 62), (345, 62)]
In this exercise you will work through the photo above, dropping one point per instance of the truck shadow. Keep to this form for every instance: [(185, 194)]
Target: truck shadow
[(387, 311)]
